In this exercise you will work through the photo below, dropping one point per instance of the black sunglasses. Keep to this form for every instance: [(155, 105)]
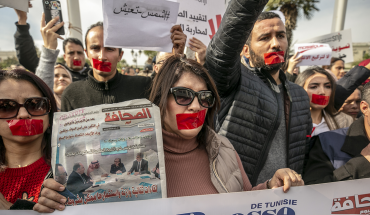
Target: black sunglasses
[(185, 96), (36, 106)]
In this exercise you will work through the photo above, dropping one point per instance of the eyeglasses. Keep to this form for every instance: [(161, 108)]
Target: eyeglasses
[(185, 96), (36, 106)]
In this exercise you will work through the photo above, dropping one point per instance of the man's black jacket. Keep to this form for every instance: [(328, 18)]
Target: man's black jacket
[(92, 92), (249, 114), (336, 155)]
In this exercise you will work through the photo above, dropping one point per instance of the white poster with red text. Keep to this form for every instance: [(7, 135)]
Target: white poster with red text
[(200, 18), (313, 54), (339, 42)]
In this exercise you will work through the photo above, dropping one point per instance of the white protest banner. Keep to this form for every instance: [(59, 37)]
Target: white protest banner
[(139, 24), (313, 54), (16, 4), (200, 18), (340, 43), (348, 197)]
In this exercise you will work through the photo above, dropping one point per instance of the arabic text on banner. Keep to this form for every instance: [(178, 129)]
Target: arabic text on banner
[(349, 197), (139, 24), (340, 43), (89, 142), (200, 18), (313, 54)]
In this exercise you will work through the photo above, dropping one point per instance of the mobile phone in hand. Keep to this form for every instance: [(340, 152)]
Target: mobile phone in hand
[(53, 9)]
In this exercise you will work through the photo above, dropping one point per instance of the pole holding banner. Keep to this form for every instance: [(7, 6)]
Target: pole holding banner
[(74, 17)]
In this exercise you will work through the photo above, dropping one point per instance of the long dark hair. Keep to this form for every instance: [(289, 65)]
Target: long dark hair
[(302, 78), (20, 74), (171, 71)]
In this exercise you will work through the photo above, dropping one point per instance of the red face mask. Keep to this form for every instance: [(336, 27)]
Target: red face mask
[(274, 57), (102, 66), (26, 127), (320, 100), (186, 121), (77, 63)]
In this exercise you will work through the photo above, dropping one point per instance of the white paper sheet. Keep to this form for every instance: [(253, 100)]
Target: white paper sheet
[(347, 197), (313, 53), (340, 43), (16, 4), (200, 18), (139, 24)]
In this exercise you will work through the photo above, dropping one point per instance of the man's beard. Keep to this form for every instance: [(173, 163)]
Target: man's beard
[(259, 62)]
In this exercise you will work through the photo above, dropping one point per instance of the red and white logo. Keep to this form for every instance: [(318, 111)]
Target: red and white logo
[(357, 204)]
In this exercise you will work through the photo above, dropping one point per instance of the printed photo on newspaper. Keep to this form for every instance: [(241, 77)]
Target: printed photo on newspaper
[(109, 153)]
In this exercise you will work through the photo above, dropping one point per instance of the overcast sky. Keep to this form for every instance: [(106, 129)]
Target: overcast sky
[(357, 19)]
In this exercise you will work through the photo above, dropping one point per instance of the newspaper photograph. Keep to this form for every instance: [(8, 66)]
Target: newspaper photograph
[(109, 153)]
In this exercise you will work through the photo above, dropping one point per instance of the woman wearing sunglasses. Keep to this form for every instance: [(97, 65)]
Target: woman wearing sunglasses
[(26, 114), (198, 161)]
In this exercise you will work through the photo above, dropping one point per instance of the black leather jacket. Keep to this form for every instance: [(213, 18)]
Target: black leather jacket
[(249, 114)]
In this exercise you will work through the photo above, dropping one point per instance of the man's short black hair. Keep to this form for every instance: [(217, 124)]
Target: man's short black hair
[(98, 24), (71, 40), (263, 16), (366, 93), (76, 166)]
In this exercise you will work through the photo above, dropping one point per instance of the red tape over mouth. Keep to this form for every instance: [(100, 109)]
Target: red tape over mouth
[(77, 63), (186, 121), (26, 127), (102, 66), (320, 100), (274, 57)]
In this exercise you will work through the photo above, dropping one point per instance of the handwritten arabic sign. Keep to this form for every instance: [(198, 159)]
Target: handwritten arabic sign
[(139, 24), (19, 4), (340, 43), (313, 53), (95, 137), (200, 18), (349, 197)]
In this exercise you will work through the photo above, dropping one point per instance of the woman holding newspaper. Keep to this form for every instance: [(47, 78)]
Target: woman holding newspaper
[(198, 161), (27, 106)]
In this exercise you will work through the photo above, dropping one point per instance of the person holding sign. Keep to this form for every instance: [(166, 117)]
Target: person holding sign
[(26, 52), (27, 107), (342, 154), (104, 84), (320, 87), (265, 117), (198, 161)]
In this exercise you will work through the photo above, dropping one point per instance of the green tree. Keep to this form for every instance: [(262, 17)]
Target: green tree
[(292, 9), (61, 60), (8, 62), (150, 54)]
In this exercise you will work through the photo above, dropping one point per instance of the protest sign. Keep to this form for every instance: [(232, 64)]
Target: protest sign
[(348, 197), (110, 153), (139, 24), (18, 4), (340, 43), (313, 54), (200, 18)]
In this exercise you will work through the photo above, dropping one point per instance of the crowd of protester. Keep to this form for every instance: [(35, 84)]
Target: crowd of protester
[(265, 126)]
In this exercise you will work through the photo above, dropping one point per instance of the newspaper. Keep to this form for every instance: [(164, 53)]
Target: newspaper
[(109, 153)]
